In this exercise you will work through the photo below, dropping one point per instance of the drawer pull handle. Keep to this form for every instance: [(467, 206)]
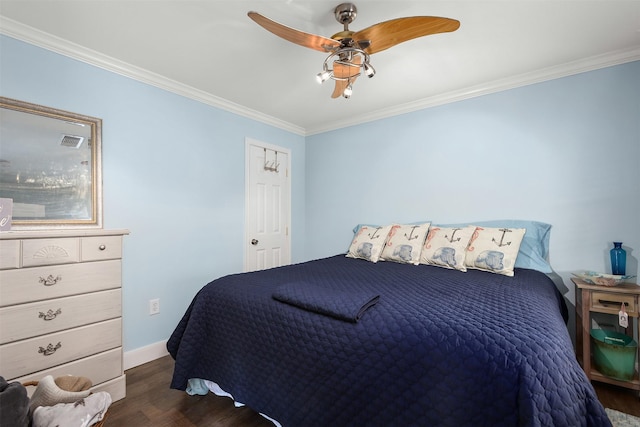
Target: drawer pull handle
[(102, 247), (50, 349), (616, 303), (50, 280), (50, 315)]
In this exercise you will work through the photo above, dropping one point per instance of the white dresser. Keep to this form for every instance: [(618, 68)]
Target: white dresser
[(61, 306)]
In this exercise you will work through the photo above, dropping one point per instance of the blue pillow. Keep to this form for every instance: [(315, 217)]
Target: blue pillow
[(534, 249)]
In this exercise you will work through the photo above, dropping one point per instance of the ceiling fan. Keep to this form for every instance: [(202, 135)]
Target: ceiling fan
[(350, 50)]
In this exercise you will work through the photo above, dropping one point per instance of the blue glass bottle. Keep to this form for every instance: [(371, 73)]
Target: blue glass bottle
[(618, 259)]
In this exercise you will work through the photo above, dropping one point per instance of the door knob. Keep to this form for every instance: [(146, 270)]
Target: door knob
[(254, 242)]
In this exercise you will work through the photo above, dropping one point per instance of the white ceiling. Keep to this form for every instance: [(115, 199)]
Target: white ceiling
[(210, 50)]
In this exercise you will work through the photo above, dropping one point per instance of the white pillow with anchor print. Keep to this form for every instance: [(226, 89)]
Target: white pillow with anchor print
[(368, 242), (494, 249), (446, 246), (404, 244)]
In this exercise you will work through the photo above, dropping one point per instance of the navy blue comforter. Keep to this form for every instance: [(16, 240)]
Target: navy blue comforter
[(438, 348)]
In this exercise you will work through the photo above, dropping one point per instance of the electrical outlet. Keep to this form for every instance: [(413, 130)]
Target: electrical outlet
[(154, 306)]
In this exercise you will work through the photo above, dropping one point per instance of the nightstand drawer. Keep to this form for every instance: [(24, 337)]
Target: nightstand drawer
[(42, 283), (40, 318), (606, 302), (35, 354)]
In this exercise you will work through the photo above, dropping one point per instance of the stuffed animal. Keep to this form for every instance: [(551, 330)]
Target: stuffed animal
[(49, 393)]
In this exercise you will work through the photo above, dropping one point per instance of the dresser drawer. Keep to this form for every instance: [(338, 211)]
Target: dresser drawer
[(9, 254), (117, 387), (36, 354), (41, 283), (29, 320), (101, 247), (98, 368), (50, 251), (605, 302)]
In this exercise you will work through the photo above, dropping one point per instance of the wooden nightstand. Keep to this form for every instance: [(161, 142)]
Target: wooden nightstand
[(602, 299)]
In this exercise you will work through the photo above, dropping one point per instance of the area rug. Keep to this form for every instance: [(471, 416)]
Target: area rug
[(620, 419)]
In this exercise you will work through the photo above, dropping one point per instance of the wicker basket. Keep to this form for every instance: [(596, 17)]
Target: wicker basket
[(98, 424)]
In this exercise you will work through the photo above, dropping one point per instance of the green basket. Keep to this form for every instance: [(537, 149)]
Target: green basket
[(614, 354)]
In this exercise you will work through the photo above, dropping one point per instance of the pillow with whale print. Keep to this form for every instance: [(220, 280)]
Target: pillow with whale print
[(368, 242), (494, 249), (404, 243), (446, 246), (534, 249)]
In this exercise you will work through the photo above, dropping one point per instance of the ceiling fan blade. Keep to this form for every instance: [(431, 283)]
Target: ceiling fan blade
[(312, 41), (343, 71), (339, 89), (390, 33)]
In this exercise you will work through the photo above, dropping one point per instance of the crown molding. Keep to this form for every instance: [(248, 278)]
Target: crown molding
[(546, 74), (47, 41), (56, 44)]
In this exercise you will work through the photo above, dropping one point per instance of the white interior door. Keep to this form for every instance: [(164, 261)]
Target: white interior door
[(267, 206)]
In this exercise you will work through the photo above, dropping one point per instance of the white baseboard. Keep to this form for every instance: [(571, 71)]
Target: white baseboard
[(145, 354)]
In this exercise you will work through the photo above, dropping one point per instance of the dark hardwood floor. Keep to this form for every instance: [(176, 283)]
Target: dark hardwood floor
[(150, 402), (618, 398)]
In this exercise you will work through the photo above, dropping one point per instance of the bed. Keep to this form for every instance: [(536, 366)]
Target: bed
[(345, 342)]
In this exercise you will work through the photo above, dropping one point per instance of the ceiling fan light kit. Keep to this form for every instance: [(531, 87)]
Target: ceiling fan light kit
[(352, 62), (349, 51)]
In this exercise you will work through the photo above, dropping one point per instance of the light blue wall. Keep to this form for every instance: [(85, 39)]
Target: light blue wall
[(173, 175), (565, 152)]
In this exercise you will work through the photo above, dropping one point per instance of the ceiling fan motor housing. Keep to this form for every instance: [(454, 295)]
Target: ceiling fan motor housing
[(346, 13)]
